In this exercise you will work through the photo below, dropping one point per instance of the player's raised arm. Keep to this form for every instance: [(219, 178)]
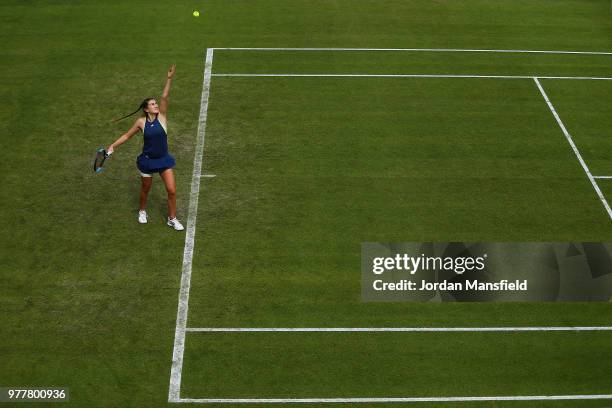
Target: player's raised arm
[(124, 137), (163, 105)]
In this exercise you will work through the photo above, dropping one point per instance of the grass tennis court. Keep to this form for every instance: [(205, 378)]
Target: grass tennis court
[(379, 159), (372, 159), (306, 168)]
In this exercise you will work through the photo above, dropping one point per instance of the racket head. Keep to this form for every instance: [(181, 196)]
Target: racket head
[(101, 156)]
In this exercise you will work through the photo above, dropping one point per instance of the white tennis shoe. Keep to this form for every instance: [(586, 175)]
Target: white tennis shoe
[(176, 224), (142, 217)]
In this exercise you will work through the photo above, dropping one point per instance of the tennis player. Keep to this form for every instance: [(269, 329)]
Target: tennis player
[(155, 157)]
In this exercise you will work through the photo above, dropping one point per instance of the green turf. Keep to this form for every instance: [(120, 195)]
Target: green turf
[(88, 297), (409, 62), (582, 107), (376, 160), (606, 187), (344, 365)]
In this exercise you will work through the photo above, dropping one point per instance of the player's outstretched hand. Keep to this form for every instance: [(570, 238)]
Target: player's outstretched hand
[(171, 71)]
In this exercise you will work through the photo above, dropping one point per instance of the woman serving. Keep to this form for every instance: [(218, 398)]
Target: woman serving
[(155, 157)]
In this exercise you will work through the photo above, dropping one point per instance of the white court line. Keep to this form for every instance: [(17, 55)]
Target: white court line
[(415, 399), (415, 76), (575, 149), (420, 50), (602, 177), (181, 315), (399, 329)]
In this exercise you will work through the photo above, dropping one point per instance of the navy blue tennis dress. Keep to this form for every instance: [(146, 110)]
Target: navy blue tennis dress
[(154, 157)]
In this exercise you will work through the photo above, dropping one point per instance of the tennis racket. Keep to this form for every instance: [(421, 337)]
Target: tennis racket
[(101, 156)]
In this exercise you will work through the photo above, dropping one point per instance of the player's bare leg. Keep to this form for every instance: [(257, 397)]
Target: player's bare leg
[(145, 187), (168, 177)]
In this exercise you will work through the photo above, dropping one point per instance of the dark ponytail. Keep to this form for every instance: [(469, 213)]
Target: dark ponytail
[(142, 107)]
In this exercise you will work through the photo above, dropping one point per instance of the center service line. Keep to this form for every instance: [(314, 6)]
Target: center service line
[(575, 149), (399, 329)]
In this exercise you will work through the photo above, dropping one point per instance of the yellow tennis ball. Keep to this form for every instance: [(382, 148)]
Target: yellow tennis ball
[(196, 13)]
